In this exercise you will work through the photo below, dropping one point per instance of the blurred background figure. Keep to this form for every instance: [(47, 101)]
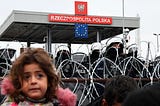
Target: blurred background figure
[(95, 52), (114, 51)]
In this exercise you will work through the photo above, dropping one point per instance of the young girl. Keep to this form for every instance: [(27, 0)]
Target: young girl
[(33, 81)]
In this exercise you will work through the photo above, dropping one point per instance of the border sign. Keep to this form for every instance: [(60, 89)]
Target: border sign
[(80, 19)]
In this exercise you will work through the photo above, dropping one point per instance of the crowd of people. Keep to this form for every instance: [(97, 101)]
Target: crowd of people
[(124, 91), (33, 81)]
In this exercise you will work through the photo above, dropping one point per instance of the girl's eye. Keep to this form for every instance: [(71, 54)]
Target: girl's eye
[(39, 75), (26, 77)]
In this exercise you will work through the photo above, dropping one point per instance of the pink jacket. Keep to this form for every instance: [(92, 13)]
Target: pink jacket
[(65, 96)]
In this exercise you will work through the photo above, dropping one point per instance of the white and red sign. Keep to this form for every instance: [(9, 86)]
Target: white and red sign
[(81, 8), (79, 19)]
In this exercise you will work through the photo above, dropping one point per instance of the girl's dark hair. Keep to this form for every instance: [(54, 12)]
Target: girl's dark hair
[(42, 58)]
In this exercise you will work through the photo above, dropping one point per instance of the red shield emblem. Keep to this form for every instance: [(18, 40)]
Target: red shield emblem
[(80, 8)]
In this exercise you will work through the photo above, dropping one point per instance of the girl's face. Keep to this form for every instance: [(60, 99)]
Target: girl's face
[(34, 82)]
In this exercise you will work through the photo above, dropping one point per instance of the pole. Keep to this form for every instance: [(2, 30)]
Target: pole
[(123, 27), (157, 36), (123, 16)]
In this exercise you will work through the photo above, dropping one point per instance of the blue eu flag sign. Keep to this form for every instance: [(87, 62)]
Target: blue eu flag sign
[(81, 30)]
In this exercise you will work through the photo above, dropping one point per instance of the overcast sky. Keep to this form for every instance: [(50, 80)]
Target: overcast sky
[(148, 11)]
